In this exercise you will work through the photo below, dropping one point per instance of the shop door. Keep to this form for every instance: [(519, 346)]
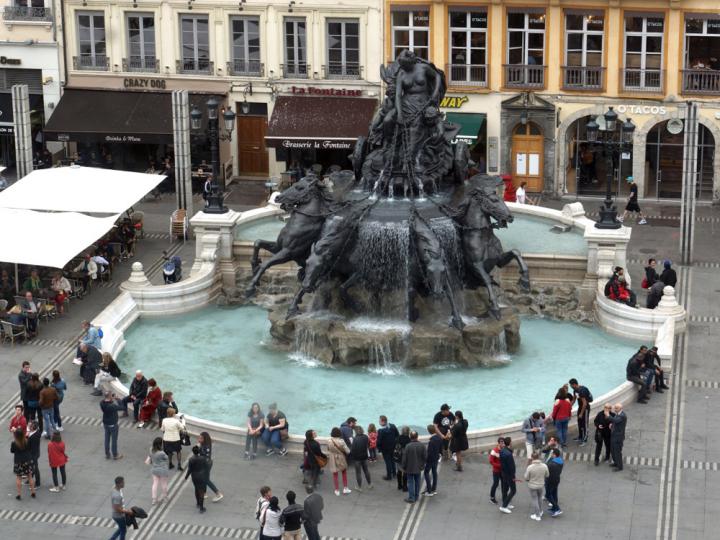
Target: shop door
[(527, 156), (252, 154)]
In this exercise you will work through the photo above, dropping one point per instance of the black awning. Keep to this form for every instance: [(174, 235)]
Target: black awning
[(110, 116)]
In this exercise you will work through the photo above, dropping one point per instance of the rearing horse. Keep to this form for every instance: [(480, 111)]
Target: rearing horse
[(309, 205)]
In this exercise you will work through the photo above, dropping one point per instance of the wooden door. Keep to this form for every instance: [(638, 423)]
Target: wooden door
[(252, 154), (527, 156)]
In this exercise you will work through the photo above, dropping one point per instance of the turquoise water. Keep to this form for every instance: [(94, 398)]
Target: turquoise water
[(527, 234), (217, 362)]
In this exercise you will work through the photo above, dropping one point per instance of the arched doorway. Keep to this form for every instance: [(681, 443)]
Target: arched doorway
[(664, 161), (527, 156)]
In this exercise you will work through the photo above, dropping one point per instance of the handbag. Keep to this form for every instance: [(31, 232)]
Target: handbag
[(185, 438), (321, 460), (644, 283)]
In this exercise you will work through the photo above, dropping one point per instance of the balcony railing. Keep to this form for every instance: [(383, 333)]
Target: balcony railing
[(338, 70), (524, 76), (91, 62), (295, 71), (27, 14), (467, 74), (146, 64), (642, 80), (247, 68), (701, 81), (583, 78), (200, 66)]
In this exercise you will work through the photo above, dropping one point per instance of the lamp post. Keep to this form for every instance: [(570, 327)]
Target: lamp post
[(214, 203), (614, 139)]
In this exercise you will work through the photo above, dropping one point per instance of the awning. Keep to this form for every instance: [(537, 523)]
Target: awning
[(470, 125), (321, 123), (114, 117), (48, 238), (78, 189)]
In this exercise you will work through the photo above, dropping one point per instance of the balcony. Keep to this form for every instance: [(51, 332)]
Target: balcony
[(651, 81), (524, 76), (141, 64), (701, 81), (90, 62), (245, 68), (27, 14), (467, 75), (587, 79), (191, 66), (295, 70), (347, 71)]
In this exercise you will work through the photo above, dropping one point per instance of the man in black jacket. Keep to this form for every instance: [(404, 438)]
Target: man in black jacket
[(669, 276), (91, 360), (507, 476), (386, 441), (555, 467), (618, 423), (602, 433), (634, 373), (110, 408), (434, 450), (652, 361), (24, 378), (138, 392)]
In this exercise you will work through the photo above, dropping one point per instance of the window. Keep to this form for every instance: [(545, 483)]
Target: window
[(343, 44), (584, 34), (702, 54), (411, 30), (141, 43), (468, 47), (526, 49), (195, 44), (643, 52), (295, 49), (91, 41), (245, 40)]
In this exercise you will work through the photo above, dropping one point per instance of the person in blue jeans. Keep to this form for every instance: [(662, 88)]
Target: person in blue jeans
[(117, 500), (555, 467), (276, 423), (561, 413), (434, 450), (110, 408), (413, 461), (387, 438)]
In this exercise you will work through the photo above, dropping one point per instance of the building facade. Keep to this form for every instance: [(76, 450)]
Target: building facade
[(525, 77), (267, 61)]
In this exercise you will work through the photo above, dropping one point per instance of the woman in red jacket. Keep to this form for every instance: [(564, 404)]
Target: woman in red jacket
[(58, 459), (561, 413), (150, 403)]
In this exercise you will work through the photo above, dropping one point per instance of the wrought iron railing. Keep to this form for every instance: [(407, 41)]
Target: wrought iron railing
[(589, 78), (524, 76), (296, 70), (195, 66), (146, 64), (338, 70), (467, 74), (642, 80), (27, 14), (91, 62), (247, 68)]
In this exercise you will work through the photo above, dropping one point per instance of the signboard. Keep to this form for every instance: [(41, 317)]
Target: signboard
[(7, 130), (5, 61), (312, 144), (124, 138), (453, 102), (641, 109), (521, 164), (534, 168), (314, 91), (143, 82)]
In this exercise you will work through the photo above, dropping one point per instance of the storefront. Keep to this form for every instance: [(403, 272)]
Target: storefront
[(474, 113)]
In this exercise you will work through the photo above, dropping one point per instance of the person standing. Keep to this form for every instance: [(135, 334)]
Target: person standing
[(443, 421), (117, 500), (386, 440), (535, 475), (270, 519), (138, 393), (520, 194), (24, 378), (22, 462), (205, 444), (261, 504), (602, 433), (434, 451), (669, 276), (48, 398), (618, 422), (110, 408), (197, 468), (58, 459), (507, 476), (372, 437), (18, 420), (561, 413), (60, 386), (583, 398), (458, 439), (312, 515), (359, 452), (555, 467), (651, 275), (255, 426), (347, 428), (311, 466), (291, 518), (32, 393), (34, 439), (172, 444), (337, 462), (159, 470), (532, 428), (632, 205), (494, 459), (402, 441), (413, 461)]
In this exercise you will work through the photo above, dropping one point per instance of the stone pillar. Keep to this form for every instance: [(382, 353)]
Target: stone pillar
[(181, 141), (23, 131), (222, 226), (607, 248), (137, 279)]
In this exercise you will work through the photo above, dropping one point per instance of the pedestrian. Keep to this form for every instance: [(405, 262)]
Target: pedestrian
[(34, 439), (91, 360), (632, 206), (535, 475), (313, 460), (47, 400), (618, 422), (555, 467), (22, 462), (197, 469), (443, 421), (262, 503), (312, 515), (18, 420), (337, 459), (652, 359), (359, 452), (655, 294), (495, 465), (291, 518), (532, 427), (520, 195), (32, 393), (551, 445), (562, 410), (138, 393), (58, 459), (160, 471), (255, 427), (458, 439), (110, 408), (24, 378), (432, 458), (60, 386), (651, 275), (270, 520), (387, 438), (172, 426), (117, 500), (372, 437), (668, 276), (602, 433), (276, 428), (402, 441), (583, 397), (507, 476), (634, 373), (347, 428), (206, 450), (413, 462)]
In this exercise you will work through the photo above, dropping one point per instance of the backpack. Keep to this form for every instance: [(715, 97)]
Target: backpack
[(397, 453), (589, 397), (100, 332)]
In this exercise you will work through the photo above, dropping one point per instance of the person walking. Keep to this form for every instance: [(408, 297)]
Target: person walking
[(387, 438), (458, 439), (255, 427), (561, 413), (60, 386), (117, 501), (532, 427), (602, 433), (583, 397), (312, 456), (359, 452), (47, 400), (22, 462), (494, 459), (535, 475), (270, 520), (434, 451), (160, 471), (402, 441), (337, 459), (291, 518), (632, 206), (24, 378), (58, 459), (618, 423), (555, 467), (197, 468), (413, 462), (507, 476), (312, 515), (34, 439), (110, 408), (668, 276)]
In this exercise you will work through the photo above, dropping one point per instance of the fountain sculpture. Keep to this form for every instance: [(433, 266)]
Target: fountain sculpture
[(395, 257)]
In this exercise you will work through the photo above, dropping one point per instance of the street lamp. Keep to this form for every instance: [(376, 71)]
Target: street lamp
[(613, 139), (214, 202)]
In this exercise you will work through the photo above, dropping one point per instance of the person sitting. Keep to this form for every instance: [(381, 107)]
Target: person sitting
[(150, 403), (33, 283), (62, 289), (88, 270), (138, 393), (16, 316), (90, 337), (655, 294), (669, 276), (109, 370), (634, 373), (91, 359), (167, 403), (102, 263), (31, 309), (616, 288), (127, 233), (652, 360)]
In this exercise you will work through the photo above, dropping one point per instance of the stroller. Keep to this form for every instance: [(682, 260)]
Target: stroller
[(172, 269)]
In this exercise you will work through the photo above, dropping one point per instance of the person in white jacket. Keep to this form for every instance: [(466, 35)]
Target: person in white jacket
[(535, 476), (88, 270), (172, 426)]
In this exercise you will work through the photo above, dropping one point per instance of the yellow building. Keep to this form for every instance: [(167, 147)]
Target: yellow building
[(525, 77)]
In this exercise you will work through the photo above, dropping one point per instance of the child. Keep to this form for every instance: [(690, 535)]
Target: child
[(372, 435)]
